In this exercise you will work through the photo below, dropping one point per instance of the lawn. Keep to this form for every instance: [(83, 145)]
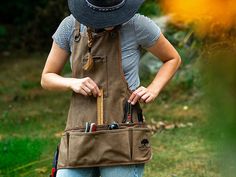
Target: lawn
[(31, 120)]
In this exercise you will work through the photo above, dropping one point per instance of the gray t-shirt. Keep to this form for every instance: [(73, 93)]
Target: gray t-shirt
[(139, 31)]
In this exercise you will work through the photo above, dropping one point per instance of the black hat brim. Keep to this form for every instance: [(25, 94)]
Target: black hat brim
[(100, 19)]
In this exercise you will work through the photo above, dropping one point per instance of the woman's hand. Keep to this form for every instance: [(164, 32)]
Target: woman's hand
[(85, 86), (142, 94)]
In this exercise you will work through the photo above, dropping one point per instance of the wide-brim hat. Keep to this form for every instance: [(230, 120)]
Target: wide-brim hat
[(103, 13)]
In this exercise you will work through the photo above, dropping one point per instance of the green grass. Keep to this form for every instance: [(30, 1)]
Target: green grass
[(181, 152), (31, 120)]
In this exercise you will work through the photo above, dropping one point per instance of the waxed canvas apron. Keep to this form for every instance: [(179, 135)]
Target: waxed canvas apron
[(127, 145)]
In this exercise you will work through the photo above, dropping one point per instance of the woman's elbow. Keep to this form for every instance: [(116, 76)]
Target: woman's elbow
[(43, 82), (179, 61)]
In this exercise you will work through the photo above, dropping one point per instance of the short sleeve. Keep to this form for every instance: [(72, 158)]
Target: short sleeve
[(147, 32), (63, 33)]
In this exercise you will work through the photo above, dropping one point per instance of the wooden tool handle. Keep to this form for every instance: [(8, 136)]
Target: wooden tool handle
[(100, 108)]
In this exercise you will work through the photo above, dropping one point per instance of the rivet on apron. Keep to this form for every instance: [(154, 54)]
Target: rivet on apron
[(77, 38)]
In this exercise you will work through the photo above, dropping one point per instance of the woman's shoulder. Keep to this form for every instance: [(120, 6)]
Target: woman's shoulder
[(63, 34), (138, 19), (67, 25), (68, 21), (145, 29), (141, 23)]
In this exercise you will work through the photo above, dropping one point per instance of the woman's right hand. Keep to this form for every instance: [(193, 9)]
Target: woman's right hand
[(85, 86)]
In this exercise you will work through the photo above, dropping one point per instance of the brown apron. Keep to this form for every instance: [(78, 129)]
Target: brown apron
[(127, 145)]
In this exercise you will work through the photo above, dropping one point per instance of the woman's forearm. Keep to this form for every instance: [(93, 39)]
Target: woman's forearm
[(165, 73), (85, 86), (52, 81)]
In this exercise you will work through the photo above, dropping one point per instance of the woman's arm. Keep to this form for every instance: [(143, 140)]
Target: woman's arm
[(171, 62), (52, 80)]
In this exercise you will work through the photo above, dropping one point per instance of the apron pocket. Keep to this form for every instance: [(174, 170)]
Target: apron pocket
[(63, 151), (101, 147), (141, 150)]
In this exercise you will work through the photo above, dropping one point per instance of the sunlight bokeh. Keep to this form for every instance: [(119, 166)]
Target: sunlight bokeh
[(209, 17)]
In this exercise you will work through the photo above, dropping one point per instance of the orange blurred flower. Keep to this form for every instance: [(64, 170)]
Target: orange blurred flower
[(209, 17)]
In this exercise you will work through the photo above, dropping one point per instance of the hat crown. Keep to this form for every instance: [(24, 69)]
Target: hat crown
[(105, 5), (99, 14)]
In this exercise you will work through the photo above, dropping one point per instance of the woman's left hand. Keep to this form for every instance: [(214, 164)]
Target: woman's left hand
[(142, 94)]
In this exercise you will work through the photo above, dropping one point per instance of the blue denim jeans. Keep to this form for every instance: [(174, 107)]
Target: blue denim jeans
[(111, 171)]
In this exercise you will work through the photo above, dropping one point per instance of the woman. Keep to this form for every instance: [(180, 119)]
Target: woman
[(105, 133)]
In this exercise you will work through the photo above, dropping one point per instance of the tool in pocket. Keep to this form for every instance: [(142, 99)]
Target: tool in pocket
[(113, 126), (90, 127), (129, 116), (128, 113), (93, 127), (139, 112), (87, 127), (54, 164)]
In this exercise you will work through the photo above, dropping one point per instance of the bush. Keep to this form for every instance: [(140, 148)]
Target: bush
[(30, 24)]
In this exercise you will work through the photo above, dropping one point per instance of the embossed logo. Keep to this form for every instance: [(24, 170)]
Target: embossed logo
[(144, 144)]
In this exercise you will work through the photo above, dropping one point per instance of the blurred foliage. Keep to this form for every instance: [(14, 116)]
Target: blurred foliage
[(10, 148), (30, 24), (19, 154), (219, 82), (189, 48), (185, 42), (150, 8), (2, 31)]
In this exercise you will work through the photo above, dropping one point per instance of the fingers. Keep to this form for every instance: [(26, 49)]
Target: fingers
[(91, 87), (133, 95), (149, 99), (137, 94), (85, 86), (85, 89), (94, 88), (142, 94), (83, 92), (145, 97)]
